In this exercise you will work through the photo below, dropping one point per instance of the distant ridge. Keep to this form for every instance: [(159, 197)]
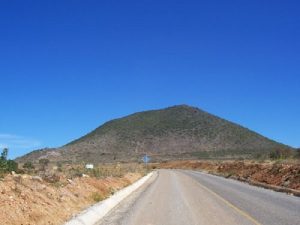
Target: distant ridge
[(177, 132)]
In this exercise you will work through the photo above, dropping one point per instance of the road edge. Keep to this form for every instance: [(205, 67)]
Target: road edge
[(290, 191), (96, 212)]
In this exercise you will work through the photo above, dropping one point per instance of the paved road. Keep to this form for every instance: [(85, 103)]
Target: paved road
[(173, 197)]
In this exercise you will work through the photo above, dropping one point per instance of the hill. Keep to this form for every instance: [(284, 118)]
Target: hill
[(178, 132)]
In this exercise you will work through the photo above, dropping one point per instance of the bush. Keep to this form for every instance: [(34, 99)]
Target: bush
[(280, 154), (297, 154), (12, 166), (7, 165), (51, 178), (29, 166), (44, 163), (4, 154), (3, 161), (97, 197), (59, 166)]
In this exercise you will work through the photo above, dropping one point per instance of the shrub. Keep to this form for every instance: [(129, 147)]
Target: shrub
[(97, 197), (29, 166), (4, 154), (59, 166), (7, 165), (51, 178), (44, 163), (74, 172), (280, 154), (297, 154), (12, 166)]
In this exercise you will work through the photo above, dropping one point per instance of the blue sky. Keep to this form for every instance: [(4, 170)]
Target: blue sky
[(68, 66)]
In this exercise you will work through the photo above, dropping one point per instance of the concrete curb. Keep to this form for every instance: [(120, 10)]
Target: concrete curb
[(96, 212)]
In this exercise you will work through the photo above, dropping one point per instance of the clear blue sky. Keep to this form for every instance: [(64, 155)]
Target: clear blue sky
[(68, 66)]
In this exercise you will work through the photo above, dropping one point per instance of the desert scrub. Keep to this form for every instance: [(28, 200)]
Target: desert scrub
[(97, 197)]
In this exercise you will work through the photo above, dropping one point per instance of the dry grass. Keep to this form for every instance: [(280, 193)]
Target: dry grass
[(26, 199)]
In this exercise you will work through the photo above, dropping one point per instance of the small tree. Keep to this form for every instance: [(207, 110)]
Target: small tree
[(28, 166), (12, 166), (4, 154), (297, 155), (7, 165), (59, 166), (280, 154), (3, 162), (44, 163)]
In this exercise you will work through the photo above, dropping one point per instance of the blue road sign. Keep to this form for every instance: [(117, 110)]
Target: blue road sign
[(146, 159)]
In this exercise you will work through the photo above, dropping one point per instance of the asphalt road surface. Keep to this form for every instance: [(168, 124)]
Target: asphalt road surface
[(173, 197)]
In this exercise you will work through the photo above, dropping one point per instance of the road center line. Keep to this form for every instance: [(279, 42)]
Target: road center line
[(243, 213)]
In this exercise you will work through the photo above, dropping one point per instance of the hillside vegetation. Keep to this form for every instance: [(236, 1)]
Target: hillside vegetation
[(178, 132)]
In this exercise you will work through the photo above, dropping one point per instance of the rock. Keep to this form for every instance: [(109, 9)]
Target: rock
[(41, 187), (286, 183), (49, 195), (37, 178), (25, 176), (70, 181), (23, 196), (16, 177)]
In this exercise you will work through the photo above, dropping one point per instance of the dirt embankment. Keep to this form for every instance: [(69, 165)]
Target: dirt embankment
[(28, 200), (285, 175)]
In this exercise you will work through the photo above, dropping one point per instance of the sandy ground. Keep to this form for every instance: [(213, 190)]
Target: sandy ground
[(27, 200)]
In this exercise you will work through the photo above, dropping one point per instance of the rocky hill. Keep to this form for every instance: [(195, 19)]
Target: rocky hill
[(178, 132)]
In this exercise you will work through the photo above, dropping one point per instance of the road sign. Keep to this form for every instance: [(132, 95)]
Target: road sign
[(146, 159)]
